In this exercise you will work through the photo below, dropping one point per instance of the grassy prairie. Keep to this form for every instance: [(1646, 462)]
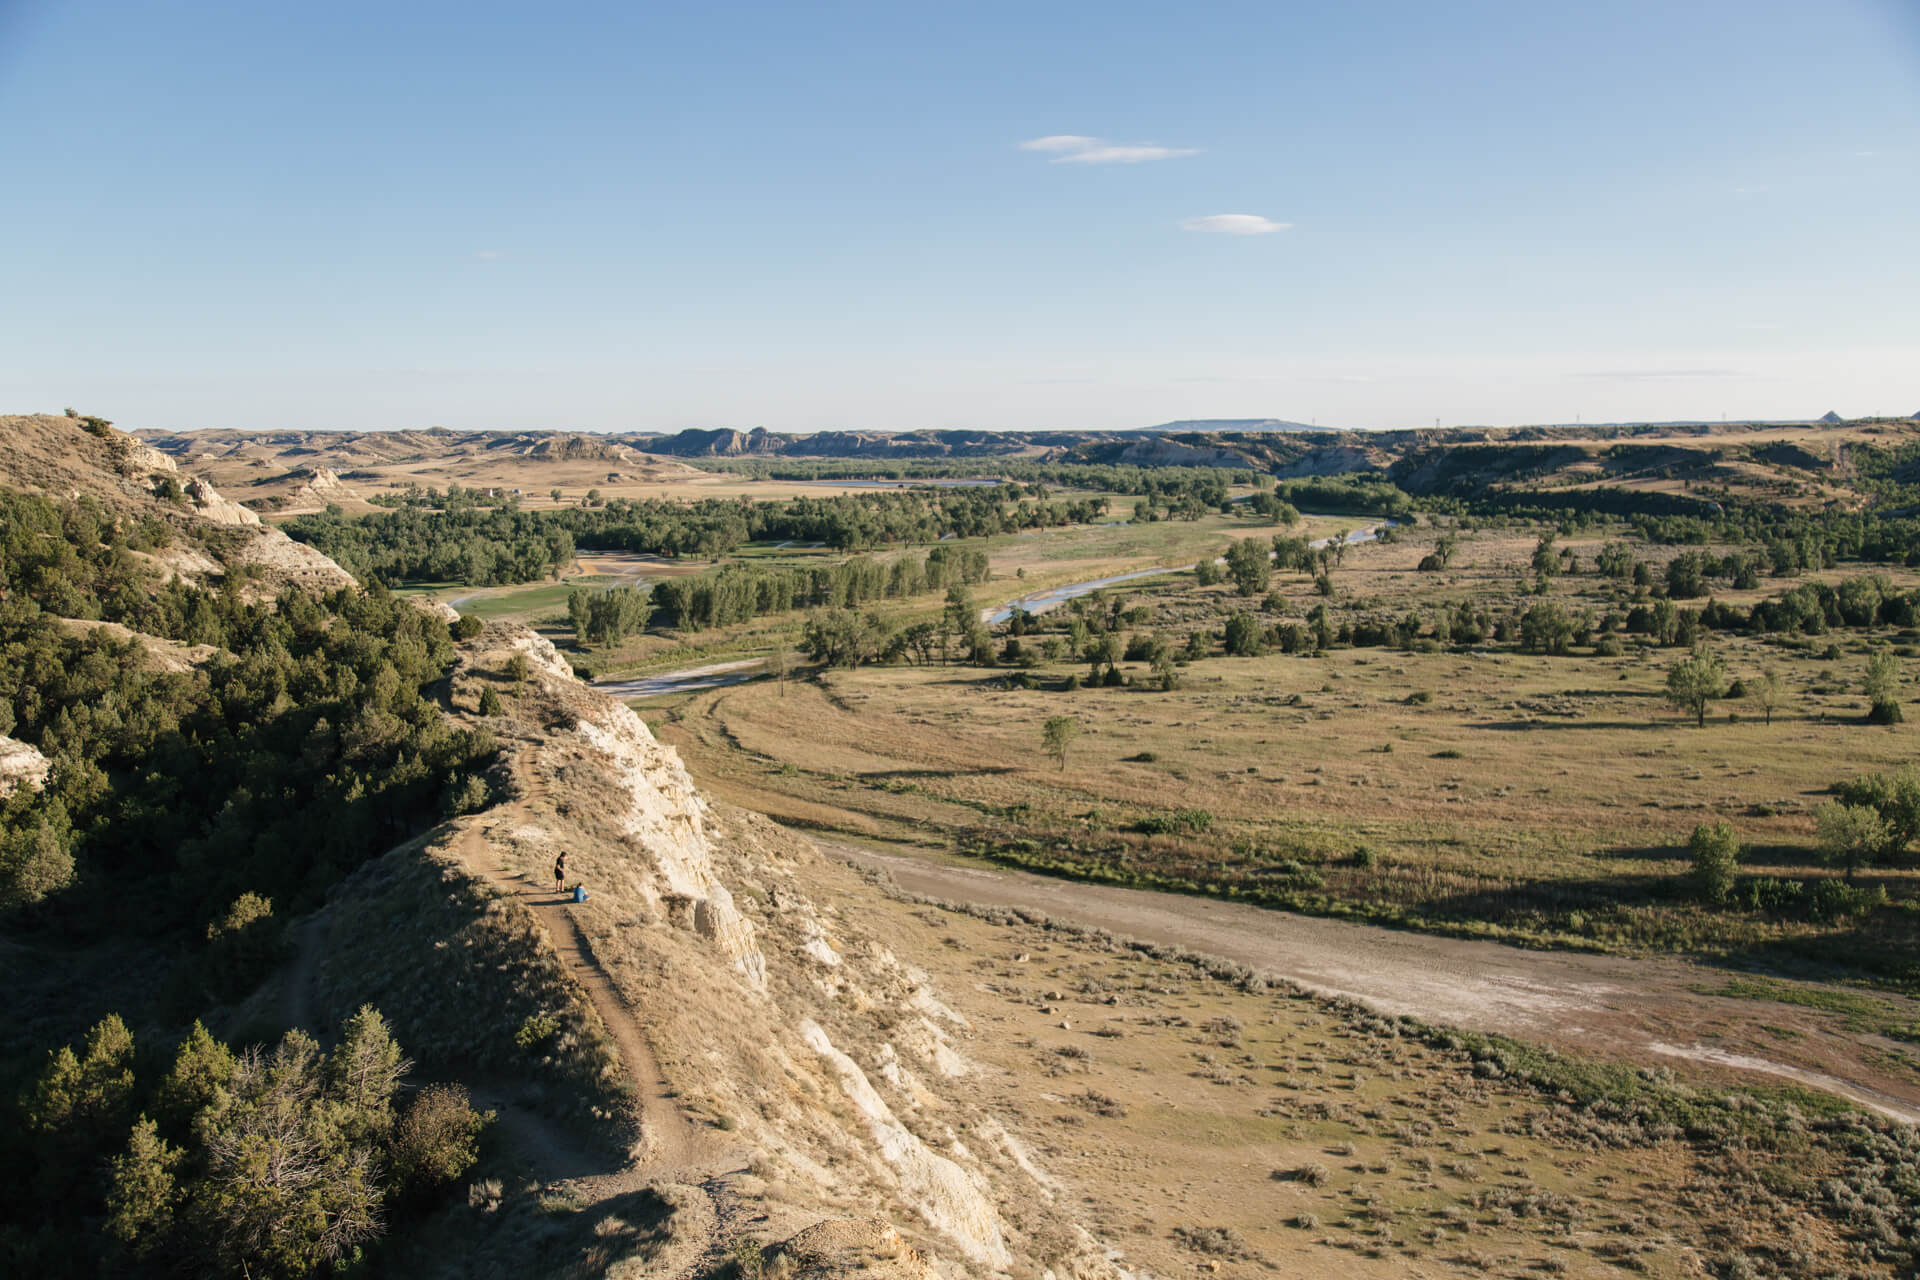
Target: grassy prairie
[(1481, 790), (1205, 1122)]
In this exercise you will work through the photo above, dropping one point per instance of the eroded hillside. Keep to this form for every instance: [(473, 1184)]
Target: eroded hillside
[(701, 1059), (732, 1039)]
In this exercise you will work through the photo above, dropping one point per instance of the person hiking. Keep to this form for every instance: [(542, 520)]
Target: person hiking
[(560, 874)]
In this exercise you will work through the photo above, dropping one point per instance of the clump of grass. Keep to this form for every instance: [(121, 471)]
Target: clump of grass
[(1226, 1031), (1219, 1242), (1099, 1104), (1313, 1174)]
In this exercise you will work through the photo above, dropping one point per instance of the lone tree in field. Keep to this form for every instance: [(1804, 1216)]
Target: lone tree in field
[(1883, 689), (1767, 691), (1716, 860), (1851, 835), (1057, 735), (1696, 680), (778, 663)]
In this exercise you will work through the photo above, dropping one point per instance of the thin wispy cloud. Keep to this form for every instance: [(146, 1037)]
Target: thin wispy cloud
[(489, 255), (1234, 224), (1638, 375), (1074, 148)]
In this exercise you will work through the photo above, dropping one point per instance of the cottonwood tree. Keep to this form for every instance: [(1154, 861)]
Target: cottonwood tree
[(846, 637), (960, 615), (1245, 637), (1250, 564), (1895, 797), (1850, 835), (1883, 688), (1696, 680), (779, 661), (1767, 692), (1546, 628), (1056, 735)]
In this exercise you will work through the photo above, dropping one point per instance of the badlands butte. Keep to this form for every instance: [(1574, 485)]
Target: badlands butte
[(1338, 909)]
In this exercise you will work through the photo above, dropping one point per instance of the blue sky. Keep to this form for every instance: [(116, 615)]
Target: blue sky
[(805, 216)]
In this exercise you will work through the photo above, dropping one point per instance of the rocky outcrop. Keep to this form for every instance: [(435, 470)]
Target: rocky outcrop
[(694, 443), (21, 765), (771, 1012), (209, 505)]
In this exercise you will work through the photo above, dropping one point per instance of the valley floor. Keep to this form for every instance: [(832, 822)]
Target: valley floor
[(1644, 1010)]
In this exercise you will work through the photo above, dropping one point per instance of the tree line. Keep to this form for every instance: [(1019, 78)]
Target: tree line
[(499, 546)]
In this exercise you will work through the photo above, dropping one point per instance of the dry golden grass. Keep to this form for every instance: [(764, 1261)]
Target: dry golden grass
[(1491, 784), (1202, 1125)]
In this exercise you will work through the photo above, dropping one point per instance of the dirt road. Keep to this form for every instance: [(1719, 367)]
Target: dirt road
[(1633, 1009)]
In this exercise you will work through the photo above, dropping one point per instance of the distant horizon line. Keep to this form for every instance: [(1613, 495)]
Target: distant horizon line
[(1256, 426)]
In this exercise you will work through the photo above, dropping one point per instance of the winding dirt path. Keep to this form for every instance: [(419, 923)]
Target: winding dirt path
[(674, 1156), (670, 1145), (1642, 1010)]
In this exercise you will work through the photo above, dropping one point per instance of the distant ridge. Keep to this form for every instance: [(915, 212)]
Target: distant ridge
[(1248, 425), (1831, 418)]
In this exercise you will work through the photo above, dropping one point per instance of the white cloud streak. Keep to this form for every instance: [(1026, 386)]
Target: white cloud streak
[(1234, 224), (1059, 142), (1074, 148), (1646, 375)]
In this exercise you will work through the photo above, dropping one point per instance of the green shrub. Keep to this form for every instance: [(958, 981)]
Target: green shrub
[(1829, 900), (436, 1139), (1765, 893), (469, 795), (536, 1031), (1716, 861), (1181, 820)]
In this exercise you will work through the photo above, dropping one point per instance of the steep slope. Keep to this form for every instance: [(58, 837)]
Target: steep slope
[(774, 1053), (701, 1058)]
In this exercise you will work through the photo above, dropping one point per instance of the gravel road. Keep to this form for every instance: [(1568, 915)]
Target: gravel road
[(1642, 1010)]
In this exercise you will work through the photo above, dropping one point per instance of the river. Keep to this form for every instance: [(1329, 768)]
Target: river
[(714, 675), (1054, 597)]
